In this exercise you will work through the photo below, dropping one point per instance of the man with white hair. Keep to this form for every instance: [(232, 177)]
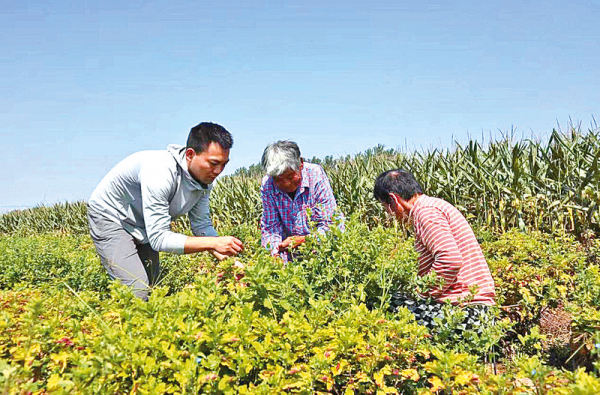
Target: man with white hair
[(290, 187)]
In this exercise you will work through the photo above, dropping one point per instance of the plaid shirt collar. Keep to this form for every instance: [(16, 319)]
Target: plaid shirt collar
[(303, 185)]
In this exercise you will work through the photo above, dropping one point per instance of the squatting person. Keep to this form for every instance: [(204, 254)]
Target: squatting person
[(131, 210), (446, 245), (289, 188)]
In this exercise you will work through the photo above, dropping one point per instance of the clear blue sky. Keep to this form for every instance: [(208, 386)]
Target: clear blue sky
[(83, 84)]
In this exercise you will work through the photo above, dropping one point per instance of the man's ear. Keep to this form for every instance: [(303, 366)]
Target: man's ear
[(189, 154), (301, 163), (395, 200)]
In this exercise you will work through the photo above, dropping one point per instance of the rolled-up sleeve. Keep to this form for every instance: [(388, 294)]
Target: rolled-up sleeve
[(200, 219), (156, 185)]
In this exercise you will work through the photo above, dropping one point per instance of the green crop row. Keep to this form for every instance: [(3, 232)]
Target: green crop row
[(531, 270), (206, 340), (59, 218), (262, 333)]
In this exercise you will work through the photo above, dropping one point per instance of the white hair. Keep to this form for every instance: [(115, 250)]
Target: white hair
[(281, 156)]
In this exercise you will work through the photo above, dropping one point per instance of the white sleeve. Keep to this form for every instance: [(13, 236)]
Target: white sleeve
[(200, 219)]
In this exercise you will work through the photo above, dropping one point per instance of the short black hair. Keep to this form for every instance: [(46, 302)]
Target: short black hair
[(396, 181), (205, 133)]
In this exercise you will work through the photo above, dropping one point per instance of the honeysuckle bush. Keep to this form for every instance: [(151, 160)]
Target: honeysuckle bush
[(71, 259), (533, 271), (536, 270), (67, 328), (50, 258), (359, 265), (585, 311), (208, 338), (202, 340), (586, 336)]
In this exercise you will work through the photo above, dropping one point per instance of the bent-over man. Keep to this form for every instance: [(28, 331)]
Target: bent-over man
[(131, 210), (290, 187), (445, 243)]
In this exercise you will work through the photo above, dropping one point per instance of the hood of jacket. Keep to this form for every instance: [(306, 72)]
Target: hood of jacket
[(178, 153)]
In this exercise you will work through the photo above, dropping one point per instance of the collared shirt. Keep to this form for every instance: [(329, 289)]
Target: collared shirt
[(283, 216), (447, 245)]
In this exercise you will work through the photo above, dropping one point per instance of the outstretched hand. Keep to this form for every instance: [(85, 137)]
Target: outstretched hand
[(227, 245)]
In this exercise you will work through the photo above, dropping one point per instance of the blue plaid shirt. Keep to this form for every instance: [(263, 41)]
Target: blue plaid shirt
[(284, 216)]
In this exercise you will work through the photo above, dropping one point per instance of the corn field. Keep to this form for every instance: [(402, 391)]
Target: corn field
[(64, 217), (552, 186)]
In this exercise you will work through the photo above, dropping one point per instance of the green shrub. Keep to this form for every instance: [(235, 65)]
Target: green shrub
[(534, 270), (50, 259), (360, 265), (204, 339), (201, 341)]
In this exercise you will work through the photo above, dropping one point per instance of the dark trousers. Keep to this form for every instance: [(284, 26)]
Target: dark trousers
[(431, 313)]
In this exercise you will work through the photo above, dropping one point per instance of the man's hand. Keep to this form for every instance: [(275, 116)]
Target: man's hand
[(223, 246), (291, 242), (227, 245)]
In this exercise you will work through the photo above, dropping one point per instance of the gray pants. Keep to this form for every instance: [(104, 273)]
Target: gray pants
[(135, 265)]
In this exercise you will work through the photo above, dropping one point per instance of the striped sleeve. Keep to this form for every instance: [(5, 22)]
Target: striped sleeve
[(445, 257)]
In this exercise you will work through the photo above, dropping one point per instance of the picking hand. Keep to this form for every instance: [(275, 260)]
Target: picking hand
[(228, 245), (292, 242)]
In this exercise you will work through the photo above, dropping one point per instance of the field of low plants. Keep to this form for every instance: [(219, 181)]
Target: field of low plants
[(322, 324)]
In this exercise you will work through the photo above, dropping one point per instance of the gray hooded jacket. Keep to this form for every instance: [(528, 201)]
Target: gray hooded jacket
[(146, 191)]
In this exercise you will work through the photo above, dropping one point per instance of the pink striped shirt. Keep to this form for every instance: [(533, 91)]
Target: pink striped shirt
[(447, 245)]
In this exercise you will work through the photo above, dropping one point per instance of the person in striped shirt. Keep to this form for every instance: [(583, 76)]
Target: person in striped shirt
[(444, 241), (290, 187)]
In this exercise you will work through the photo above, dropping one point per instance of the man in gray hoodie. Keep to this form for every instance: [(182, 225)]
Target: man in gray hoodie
[(131, 210)]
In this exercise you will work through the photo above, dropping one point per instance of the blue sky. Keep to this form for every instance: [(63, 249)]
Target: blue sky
[(83, 84)]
